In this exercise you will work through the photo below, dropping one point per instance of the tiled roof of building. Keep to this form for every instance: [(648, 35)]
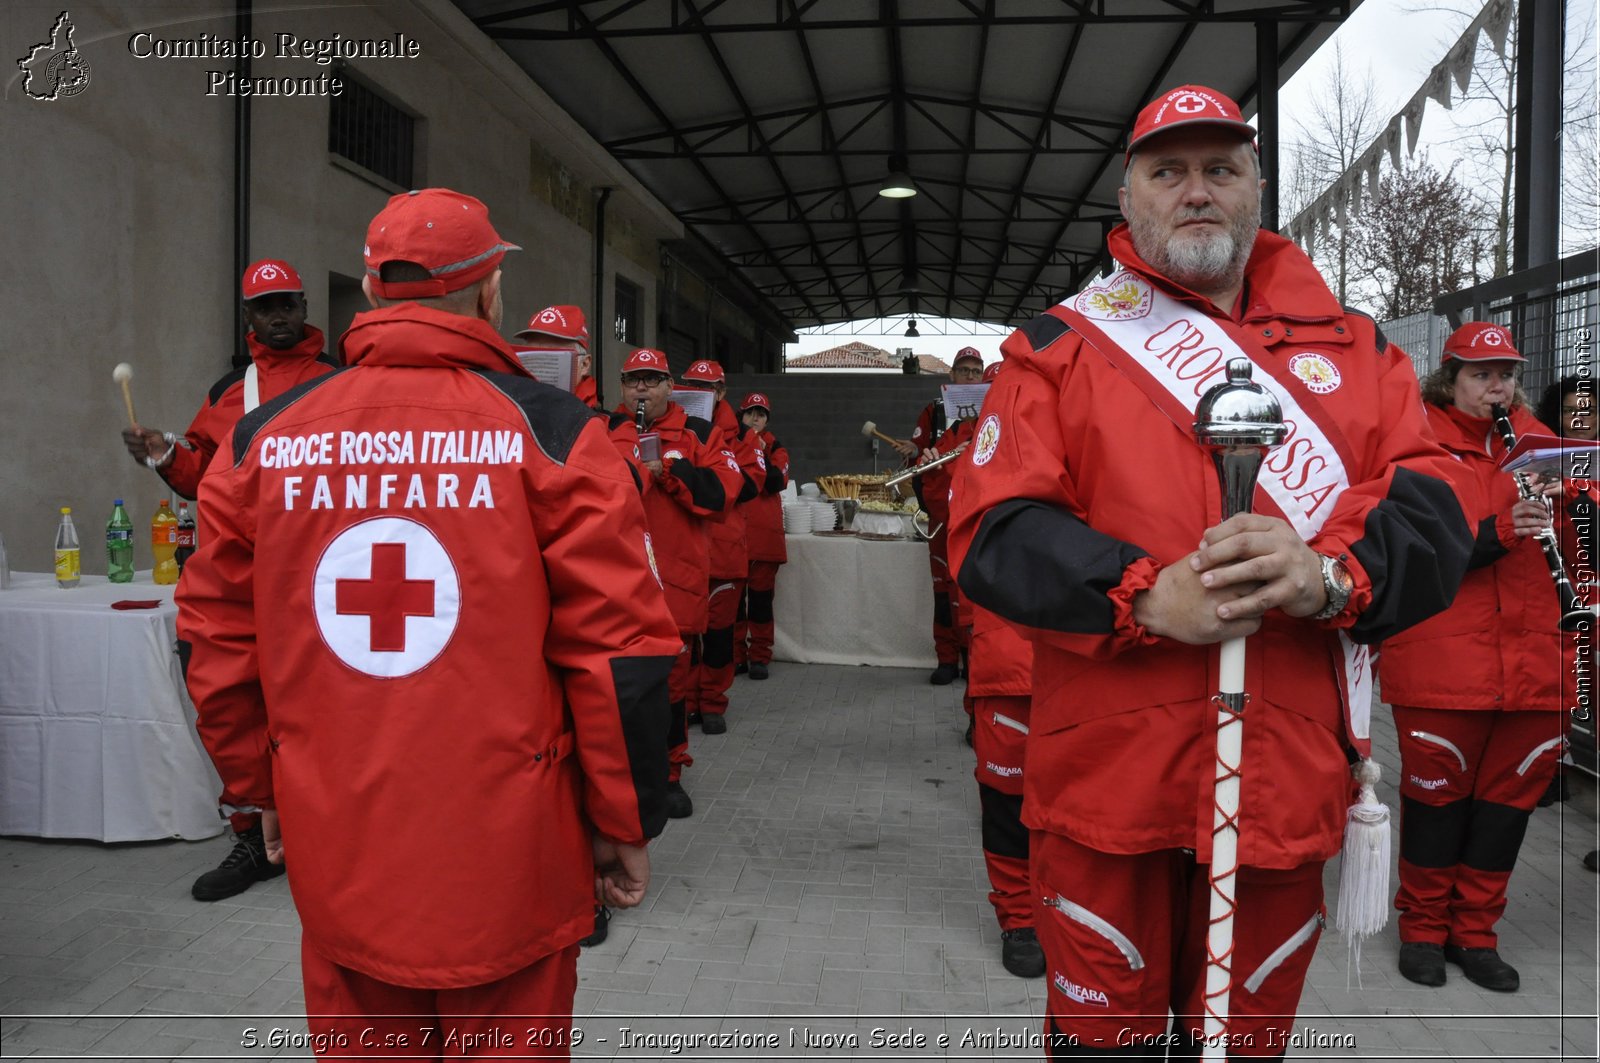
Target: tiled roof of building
[(858, 355)]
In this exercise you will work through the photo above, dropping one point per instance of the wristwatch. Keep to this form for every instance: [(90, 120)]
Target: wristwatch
[(1338, 583)]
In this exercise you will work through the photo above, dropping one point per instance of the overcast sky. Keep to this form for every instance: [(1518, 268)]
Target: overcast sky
[(1394, 42)]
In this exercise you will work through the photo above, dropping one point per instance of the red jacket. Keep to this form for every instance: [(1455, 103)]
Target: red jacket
[(588, 392), (1087, 489), (932, 488), (730, 557), (1498, 645), (276, 372), (698, 487), (426, 631), (764, 514)]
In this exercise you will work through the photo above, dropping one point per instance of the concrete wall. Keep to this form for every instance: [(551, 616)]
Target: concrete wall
[(118, 208)]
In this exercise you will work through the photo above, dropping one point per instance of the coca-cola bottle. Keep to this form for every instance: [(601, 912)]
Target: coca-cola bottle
[(186, 535)]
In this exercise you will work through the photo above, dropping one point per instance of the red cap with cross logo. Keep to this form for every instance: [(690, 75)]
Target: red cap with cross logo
[(967, 354), (704, 372), (1187, 105), (559, 322), (755, 401), (268, 277), (646, 360), (1481, 341)]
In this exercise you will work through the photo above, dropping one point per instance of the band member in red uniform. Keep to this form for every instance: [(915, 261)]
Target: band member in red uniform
[(1091, 519), (730, 559), (428, 641), (694, 482), (933, 491), (284, 352), (1476, 690), (752, 636), (564, 328)]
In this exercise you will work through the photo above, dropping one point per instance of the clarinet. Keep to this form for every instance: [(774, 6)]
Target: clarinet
[(1574, 615), (638, 417)]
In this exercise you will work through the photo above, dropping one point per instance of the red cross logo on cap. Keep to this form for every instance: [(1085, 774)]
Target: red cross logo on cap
[(267, 272), (387, 596), (1189, 103), (549, 316), (1493, 337)]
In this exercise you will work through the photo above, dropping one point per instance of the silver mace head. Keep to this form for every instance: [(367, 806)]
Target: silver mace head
[(1237, 422)]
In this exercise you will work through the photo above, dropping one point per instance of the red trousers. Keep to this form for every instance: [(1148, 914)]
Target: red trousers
[(1124, 941), (715, 674), (947, 640), (352, 1014), (682, 688), (752, 634), (1469, 781), (999, 735)]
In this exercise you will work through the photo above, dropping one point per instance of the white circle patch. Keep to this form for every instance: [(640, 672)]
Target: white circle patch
[(987, 440), (387, 597), (1316, 371)]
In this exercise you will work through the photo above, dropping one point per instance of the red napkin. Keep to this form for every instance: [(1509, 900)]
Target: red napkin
[(129, 603)]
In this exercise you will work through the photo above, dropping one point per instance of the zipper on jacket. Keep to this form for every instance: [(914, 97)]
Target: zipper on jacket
[(1538, 751), (1284, 951), (1079, 914), (1424, 736), (1006, 721)]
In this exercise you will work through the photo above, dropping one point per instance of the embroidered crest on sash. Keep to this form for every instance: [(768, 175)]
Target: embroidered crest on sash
[(1123, 297), (1317, 371)]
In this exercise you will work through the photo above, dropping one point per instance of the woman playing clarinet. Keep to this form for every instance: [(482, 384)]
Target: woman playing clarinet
[(1476, 688)]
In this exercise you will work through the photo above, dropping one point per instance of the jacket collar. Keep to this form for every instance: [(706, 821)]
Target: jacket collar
[(308, 349), (409, 334)]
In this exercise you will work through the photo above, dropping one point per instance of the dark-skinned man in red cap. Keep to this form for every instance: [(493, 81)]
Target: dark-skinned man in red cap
[(428, 640)]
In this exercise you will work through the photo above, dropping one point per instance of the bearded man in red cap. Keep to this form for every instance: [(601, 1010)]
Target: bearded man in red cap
[(428, 641), (564, 328), (933, 492), (730, 558), (284, 352), (692, 482), (1092, 519)]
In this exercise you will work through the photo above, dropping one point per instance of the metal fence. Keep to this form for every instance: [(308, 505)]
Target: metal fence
[(1553, 311)]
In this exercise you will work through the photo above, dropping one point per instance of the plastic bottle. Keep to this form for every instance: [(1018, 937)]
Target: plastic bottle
[(119, 545), (68, 561), (186, 535), (164, 543)]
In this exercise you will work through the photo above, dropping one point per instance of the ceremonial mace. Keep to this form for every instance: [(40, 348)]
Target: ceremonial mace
[(1237, 422)]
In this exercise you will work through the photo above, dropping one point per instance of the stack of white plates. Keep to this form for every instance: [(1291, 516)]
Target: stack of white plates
[(824, 516), (797, 518)]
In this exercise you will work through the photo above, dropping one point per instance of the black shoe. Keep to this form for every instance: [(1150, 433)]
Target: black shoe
[(1556, 791), (242, 868), (1020, 952), (1591, 859), (695, 719), (1485, 968), (678, 804), (714, 724), (758, 670), (967, 738), (1422, 962), (945, 674), (602, 927), (741, 668)]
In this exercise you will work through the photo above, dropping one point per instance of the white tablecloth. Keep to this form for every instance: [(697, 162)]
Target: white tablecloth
[(844, 600), (97, 734)]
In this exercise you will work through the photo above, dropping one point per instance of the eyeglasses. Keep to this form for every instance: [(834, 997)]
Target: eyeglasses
[(648, 380)]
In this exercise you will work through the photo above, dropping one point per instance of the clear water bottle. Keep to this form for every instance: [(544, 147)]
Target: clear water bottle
[(119, 545), (68, 561), (186, 535)]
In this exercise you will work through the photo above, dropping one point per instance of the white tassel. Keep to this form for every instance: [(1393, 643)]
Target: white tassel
[(1364, 867)]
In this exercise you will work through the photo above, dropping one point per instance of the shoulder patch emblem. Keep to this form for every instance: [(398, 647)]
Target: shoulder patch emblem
[(650, 555), (987, 440), (1123, 297), (1316, 371)]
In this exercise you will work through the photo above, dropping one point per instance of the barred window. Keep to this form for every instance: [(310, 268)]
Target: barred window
[(628, 310), (370, 131)]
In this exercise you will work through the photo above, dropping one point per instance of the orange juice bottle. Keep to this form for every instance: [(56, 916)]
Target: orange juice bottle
[(164, 543)]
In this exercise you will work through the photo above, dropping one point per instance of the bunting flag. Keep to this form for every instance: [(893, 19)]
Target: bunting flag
[(1496, 21), (1391, 141), (1413, 117), (1460, 64), (1374, 172)]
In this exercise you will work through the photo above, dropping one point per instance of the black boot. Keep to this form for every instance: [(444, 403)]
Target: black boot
[(678, 804), (1422, 962), (945, 674), (240, 869), (1484, 967), (1020, 952), (602, 927)]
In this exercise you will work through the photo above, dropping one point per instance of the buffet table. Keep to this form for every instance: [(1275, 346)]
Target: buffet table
[(845, 600), (97, 734)]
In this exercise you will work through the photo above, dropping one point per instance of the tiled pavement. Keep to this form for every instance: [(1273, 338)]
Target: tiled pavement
[(829, 882)]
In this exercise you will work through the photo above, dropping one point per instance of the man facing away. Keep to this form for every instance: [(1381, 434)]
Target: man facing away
[(284, 352), (1092, 519), (429, 643)]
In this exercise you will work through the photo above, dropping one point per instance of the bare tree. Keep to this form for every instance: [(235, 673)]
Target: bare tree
[(1422, 236)]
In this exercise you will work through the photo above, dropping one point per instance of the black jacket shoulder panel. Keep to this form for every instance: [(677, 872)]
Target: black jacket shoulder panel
[(221, 386), (244, 432), (327, 359), (554, 417), (1379, 339), (699, 426), (1044, 330)]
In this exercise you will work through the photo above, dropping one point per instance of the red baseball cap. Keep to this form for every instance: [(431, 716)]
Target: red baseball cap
[(269, 276), (993, 371), (753, 400), (646, 360), (1480, 341), (562, 322), (1187, 105), (445, 232), (965, 354), (706, 372)]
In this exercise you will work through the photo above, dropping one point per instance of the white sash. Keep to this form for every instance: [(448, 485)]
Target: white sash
[(252, 388), (1175, 353)]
